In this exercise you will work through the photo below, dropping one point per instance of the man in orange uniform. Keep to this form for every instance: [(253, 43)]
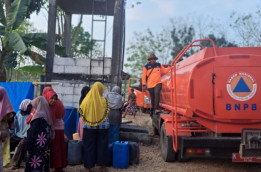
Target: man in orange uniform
[(151, 78)]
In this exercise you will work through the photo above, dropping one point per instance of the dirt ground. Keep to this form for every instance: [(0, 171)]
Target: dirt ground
[(151, 161)]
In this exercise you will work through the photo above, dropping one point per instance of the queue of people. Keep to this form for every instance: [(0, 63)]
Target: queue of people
[(38, 130), (36, 136), (38, 133)]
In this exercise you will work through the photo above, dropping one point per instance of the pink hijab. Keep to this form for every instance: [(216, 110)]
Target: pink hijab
[(5, 104), (42, 110)]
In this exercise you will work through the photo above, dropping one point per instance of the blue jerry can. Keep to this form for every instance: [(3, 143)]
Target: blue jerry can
[(120, 154)]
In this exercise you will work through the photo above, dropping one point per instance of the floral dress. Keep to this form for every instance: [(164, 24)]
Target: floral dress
[(38, 146), (132, 107)]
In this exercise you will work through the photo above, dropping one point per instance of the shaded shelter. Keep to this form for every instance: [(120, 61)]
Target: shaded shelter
[(115, 8)]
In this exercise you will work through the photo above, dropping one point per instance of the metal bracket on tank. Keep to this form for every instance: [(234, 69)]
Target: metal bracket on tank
[(213, 90)]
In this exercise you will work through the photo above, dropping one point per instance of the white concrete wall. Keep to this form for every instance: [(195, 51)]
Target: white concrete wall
[(80, 66), (69, 92)]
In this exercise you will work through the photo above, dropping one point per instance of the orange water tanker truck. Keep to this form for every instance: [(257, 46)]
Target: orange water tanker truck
[(211, 105)]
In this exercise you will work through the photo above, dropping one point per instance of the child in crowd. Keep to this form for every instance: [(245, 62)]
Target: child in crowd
[(18, 139)]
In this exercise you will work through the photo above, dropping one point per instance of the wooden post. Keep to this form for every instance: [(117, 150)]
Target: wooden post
[(117, 43), (67, 34), (51, 39)]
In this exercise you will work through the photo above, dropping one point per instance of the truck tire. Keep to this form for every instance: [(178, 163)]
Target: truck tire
[(167, 152)]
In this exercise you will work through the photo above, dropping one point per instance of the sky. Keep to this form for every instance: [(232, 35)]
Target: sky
[(156, 14)]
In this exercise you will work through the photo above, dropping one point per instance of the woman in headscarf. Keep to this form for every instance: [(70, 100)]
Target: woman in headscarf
[(58, 147), (20, 133), (39, 134), (46, 89), (115, 102), (94, 111), (84, 92), (6, 115)]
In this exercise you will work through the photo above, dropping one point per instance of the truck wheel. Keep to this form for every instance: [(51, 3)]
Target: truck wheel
[(167, 152)]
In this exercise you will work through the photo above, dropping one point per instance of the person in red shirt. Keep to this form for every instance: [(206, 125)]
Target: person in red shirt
[(151, 80), (58, 148)]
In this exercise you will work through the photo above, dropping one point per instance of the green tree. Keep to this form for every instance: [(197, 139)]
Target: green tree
[(219, 42), (35, 6), (184, 35), (13, 43), (145, 43), (81, 43), (181, 37), (247, 28)]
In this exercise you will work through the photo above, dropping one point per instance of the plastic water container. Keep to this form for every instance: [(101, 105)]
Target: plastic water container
[(134, 153), (120, 154), (70, 119), (75, 149)]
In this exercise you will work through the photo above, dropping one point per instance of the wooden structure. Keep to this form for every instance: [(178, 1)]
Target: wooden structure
[(113, 8)]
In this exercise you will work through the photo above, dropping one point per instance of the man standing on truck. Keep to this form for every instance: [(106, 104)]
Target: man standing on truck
[(151, 80)]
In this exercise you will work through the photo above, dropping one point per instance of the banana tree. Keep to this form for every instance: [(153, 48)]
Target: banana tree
[(12, 43)]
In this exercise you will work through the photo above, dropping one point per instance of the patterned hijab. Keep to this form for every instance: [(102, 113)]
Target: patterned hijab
[(42, 110), (24, 104), (94, 108), (5, 104)]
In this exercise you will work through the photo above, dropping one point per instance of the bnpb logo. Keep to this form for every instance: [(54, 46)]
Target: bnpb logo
[(241, 86)]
